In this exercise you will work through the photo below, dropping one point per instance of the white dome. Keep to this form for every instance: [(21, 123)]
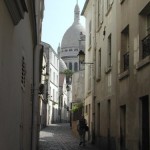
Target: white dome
[(72, 36), (62, 65)]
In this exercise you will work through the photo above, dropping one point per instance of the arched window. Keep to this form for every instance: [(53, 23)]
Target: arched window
[(75, 66), (70, 66)]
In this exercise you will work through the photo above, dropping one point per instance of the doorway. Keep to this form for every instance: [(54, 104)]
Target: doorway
[(123, 127), (144, 123)]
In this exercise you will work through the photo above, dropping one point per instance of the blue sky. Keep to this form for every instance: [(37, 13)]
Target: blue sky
[(58, 17)]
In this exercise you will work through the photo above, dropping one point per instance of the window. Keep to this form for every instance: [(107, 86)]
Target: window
[(144, 122), (50, 92), (108, 122), (57, 63), (109, 4), (57, 79), (90, 36), (102, 10), (75, 49), (146, 40), (125, 49), (86, 108), (89, 78), (98, 13), (50, 71), (53, 77), (16, 8), (70, 66), (54, 59), (98, 119), (98, 68), (51, 58), (70, 49), (75, 66), (109, 52), (53, 95), (144, 29), (123, 127), (56, 96)]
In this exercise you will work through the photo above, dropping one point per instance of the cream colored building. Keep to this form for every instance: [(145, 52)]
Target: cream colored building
[(77, 98), (19, 73), (53, 86), (88, 12), (44, 86), (64, 99), (117, 89)]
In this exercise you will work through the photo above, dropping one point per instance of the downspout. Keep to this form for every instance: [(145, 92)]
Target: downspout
[(35, 129), (94, 77), (35, 88)]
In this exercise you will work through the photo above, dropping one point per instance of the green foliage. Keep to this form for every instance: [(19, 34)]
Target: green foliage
[(68, 73), (77, 106)]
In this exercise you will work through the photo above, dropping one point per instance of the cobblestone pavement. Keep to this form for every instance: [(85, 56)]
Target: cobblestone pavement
[(60, 137)]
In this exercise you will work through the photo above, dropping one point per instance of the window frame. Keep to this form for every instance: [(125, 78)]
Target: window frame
[(125, 48), (98, 74)]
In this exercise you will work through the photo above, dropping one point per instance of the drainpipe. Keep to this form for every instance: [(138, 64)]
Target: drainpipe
[(94, 77), (35, 128)]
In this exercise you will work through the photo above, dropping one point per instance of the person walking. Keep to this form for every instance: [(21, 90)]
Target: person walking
[(82, 128)]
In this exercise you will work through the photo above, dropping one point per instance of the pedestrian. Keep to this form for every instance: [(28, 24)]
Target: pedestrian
[(81, 128)]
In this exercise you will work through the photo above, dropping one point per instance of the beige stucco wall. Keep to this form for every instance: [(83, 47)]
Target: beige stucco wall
[(78, 86), (114, 89), (16, 41), (136, 84)]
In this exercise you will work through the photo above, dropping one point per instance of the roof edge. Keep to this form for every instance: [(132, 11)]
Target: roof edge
[(85, 5)]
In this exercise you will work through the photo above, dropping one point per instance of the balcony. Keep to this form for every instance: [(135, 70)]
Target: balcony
[(146, 46)]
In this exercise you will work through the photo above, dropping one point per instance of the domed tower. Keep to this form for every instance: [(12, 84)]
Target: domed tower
[(71, 44)]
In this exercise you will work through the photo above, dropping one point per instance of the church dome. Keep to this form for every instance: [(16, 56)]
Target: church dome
[(72, 35), (62, 65)]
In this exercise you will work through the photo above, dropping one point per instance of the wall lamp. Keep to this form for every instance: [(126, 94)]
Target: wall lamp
[(46, 76), (68, 87), (81, 56)]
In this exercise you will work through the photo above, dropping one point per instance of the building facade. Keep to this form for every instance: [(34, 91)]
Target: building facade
[(63, 93), (117, 89), (20, 66), (53, 85), (78, 81), (44, 88)]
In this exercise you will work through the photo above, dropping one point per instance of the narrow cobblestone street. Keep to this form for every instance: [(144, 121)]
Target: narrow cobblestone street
[(60, 137)]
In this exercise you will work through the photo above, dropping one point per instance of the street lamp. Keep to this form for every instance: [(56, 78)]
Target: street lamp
[(81, 56), (68, 87), (46, 76)]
